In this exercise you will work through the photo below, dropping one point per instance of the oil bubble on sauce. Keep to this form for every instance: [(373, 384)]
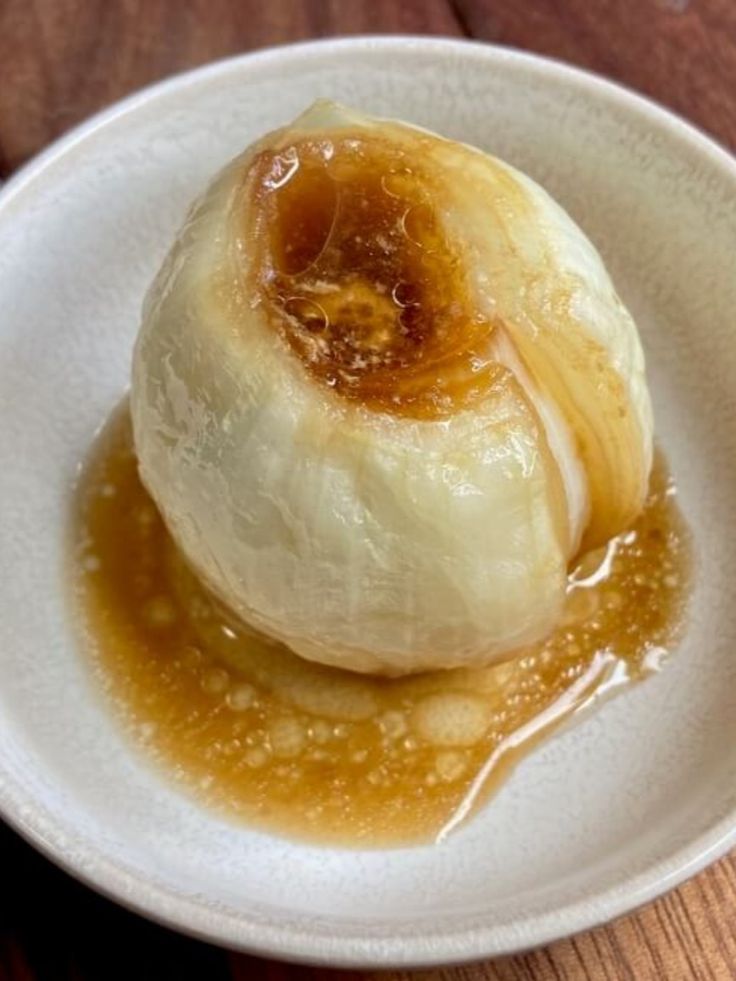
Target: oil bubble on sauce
[(326, 755)]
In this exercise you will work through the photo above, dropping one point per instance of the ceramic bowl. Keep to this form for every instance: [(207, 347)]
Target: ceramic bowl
[(601, 818)]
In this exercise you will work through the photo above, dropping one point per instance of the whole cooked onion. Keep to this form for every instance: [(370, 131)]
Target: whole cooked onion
[(383, 392)]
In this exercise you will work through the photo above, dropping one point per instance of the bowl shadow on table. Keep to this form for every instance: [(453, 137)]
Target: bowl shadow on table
[(53, 927)]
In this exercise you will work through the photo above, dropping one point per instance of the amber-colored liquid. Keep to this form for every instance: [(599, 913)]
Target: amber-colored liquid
[(361, 278), (327, 755)]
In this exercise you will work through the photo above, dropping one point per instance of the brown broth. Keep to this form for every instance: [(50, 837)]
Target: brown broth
[(326, 755)]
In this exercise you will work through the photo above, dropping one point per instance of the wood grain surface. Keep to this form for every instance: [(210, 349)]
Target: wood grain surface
[(61, 60)]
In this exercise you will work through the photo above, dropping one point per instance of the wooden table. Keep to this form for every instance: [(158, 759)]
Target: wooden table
[(61, 60)]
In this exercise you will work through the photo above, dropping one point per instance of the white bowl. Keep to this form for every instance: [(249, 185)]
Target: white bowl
[(598, 820)]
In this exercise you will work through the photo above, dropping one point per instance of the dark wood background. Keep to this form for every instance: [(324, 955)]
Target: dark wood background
[(61, 60)]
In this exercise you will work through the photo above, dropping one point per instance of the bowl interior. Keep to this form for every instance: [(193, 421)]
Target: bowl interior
[(599, 818)]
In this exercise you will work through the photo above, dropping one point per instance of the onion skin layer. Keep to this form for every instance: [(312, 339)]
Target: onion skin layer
[(390, 532)]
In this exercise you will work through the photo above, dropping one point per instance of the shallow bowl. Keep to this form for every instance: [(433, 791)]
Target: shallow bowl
[(601, 818)]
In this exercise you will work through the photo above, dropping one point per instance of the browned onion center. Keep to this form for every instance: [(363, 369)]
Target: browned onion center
[(361, 278)]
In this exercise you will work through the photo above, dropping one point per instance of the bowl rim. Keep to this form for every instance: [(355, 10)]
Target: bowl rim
[(233, 929)]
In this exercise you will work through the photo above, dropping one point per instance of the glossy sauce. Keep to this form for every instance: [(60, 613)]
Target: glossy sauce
[(362, 280), (326, 755)]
